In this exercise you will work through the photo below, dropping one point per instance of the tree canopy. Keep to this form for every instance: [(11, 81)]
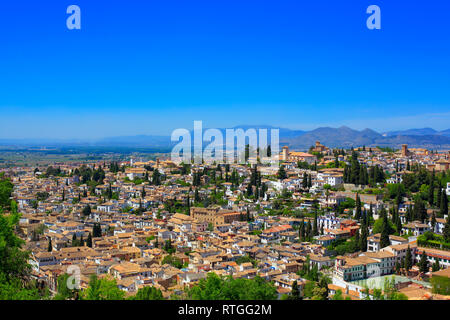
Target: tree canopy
[(214, 287)]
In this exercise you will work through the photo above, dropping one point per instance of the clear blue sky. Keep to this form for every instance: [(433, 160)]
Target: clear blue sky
[(147, 67)]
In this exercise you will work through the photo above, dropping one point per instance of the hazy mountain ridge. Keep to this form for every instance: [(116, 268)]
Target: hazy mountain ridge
[(417, 132), (347, 137), (299, 139)]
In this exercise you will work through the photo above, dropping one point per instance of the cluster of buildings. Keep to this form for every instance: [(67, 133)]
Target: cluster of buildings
[(137, 223)]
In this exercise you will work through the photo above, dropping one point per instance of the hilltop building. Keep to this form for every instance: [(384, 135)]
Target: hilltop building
[(294, 156)]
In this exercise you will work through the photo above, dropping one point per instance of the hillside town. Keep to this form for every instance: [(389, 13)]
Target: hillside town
[(326, 224)]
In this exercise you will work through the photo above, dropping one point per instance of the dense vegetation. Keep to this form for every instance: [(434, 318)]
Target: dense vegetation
[(15, 281), (214, 287)]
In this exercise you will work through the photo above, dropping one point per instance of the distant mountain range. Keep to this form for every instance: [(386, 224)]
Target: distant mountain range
[(418, 132), (296, 139), (347, 137)]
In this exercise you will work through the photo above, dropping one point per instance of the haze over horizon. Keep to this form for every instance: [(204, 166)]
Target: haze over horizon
[(245, 127), (151, 67)]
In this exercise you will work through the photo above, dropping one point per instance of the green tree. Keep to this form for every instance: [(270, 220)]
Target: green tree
[(147, 293), (435, 267), (87, 210), (363, 238), (305, 180), (96, 230), (6, 188), (398, 267), (156, 177), (102, 289), (75, 242), (63, 291), (319, 294), (444, 205), (384, 238), (247, 152), (408, 261), (15, 283), (423, 263), (338, 295), (315, 230), (336, 161), (295, 292), (282, 173), (358, 208), (89, 240), (173, 261), (440, 285), (446, 231), (214, 287), (420, 212)]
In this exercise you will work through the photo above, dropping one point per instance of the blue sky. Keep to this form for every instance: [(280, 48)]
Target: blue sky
[(148, 67)]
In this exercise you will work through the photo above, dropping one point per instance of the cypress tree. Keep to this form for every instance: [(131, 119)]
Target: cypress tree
[(435, 267), (249, 190), (295, 292), (398, 224), (315, 229), (282, 173), (408, 214), (361, 179), (363, 238), (97, 230), (301, 231), (354, 168), (384, 239), (247, 152), (438, 196), (308, 231), (431, 194), (408, 260), (423, 263), (433, 221), (74, 240), (196, 196), (346, 178), (50, 247), (446, 231), (444, 204), (420, 211), (156, 178), (89, 240), (370, 215), (305, 180), (357, 241), (398, 267), (358, 208)]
